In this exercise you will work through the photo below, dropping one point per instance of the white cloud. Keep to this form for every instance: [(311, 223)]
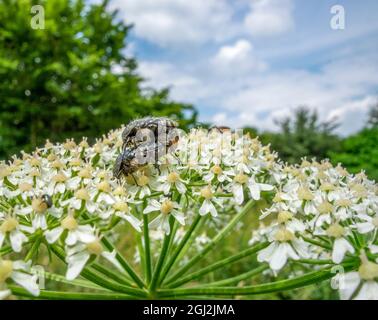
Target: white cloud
[(177, 22), (342, 88), (269, 17), (237, 59), (184, 86)]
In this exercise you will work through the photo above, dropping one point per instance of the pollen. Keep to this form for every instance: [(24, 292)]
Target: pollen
[(69, 145), (343, 203), (173, 177), (216, 170), (38, 205), (284, 235), (325, 207), (121, 206), (48, 144), (75, 162), (104, 187), (5, 172), (284, 216), (6, 269), (206, 193), (166, 207), (57, 164), (368, 270), (278, 197), (25, 187), (95, 247), (143, 181), (85, 173), (59, 178), (69, 223), (82, 194), (35, 162), (119, 191), (84, 144), (326, 186), (35, 173), (305, 194), (97, 148), (335, 230), (8, 225), (241, 178), (359, 190)]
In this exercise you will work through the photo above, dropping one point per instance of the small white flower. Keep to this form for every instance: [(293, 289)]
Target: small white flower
[(168, 180), (361, 284), (75, 232), (9, 225), (166, 208), (78, 256), (340, 246), (19, 272), (284, 246)]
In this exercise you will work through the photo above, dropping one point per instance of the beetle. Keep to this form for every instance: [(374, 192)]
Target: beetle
[(47, 199), (133, 150), (152, 123), (133, 158)]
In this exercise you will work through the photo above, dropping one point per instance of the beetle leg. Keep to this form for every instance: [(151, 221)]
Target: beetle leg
[(135, 180)]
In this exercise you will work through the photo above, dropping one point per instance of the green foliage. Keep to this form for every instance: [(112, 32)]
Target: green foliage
[(303, 135), (59, 82), (360, 152)]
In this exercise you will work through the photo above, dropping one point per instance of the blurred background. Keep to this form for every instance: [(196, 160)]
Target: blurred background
[(299, 74)]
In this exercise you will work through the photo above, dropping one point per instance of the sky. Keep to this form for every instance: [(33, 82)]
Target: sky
[(250, 62)]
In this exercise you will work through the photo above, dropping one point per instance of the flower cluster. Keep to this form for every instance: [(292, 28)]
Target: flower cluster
[(322, 212), (64, 197)]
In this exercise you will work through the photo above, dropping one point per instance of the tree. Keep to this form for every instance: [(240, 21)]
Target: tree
[(60, 81), (360, 152), (373, 116), (303, 136)]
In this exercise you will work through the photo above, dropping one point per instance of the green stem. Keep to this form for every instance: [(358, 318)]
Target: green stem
[(77, 282), (95, 278), (125, 265), (314, 261), (56, 295), (179, 248), (317, 243), (240, 277), (34, 249), (147, 251), (219, 264), (163, 253), (220, 236), (110, 274), (282, 285)]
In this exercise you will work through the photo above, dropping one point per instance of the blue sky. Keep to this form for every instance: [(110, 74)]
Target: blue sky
[(248, 62)]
